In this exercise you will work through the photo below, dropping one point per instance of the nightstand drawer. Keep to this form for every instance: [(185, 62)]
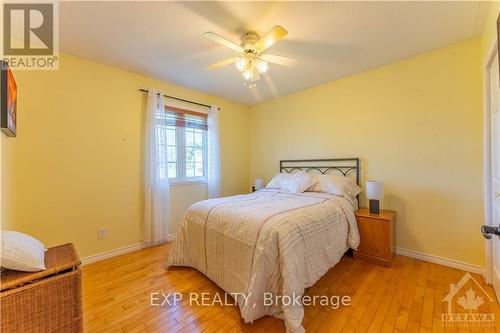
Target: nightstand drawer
[(375, 238)]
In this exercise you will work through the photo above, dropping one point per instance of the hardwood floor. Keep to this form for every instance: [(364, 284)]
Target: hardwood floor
[(407, 297)]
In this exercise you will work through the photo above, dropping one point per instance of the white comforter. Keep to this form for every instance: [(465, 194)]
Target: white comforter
[(266, 242)]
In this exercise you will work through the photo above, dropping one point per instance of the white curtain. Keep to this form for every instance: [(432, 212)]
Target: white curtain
[(156, 212), (213, 152)]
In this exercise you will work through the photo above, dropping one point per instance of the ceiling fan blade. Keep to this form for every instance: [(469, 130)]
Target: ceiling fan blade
[(222, 63), (274, 59), (223, 41), (269, 38)]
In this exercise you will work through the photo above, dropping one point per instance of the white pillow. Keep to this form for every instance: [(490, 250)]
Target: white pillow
[(298, 183), (275, 183), (334, 184), (321, 183), (343, 186), (21, 252)]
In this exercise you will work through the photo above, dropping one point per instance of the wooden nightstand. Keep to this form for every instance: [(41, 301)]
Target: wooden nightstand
[(377, 235)]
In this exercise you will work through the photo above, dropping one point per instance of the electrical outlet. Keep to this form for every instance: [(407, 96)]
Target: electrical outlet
[(102, 233)]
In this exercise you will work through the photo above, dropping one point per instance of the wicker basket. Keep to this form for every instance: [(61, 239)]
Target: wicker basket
[(46, 301)]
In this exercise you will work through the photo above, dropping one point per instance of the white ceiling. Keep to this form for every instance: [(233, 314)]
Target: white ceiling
[(330, 40)]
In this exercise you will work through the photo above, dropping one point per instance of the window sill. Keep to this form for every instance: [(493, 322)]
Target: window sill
[(187, 182)]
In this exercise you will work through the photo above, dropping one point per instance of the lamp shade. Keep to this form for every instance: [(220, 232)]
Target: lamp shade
[(374, 190), (258, 183)]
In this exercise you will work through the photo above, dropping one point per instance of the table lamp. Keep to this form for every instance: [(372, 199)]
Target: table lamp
[(374, 194), (257, 184)]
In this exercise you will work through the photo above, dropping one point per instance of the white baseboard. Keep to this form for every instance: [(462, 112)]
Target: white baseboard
[(121, 250), (441, 260), (404, 252), (112, 253)]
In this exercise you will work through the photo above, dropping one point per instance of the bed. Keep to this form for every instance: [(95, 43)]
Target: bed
[(270, 242)]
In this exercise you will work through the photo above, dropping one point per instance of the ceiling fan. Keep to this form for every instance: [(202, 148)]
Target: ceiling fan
[(251, 62)]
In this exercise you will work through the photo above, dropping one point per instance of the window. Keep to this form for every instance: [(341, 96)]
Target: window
[(182, 145)]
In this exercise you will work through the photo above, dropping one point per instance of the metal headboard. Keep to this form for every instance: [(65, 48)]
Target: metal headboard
[(344, 166)]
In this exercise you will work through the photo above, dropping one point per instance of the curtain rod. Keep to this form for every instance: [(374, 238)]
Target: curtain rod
[(181, 99)]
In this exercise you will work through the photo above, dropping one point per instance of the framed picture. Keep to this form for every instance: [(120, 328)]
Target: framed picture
[(8, 100)]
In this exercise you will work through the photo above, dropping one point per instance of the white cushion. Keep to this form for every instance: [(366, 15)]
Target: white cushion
[(275, 183), (298, 183), (334, 184), (321, 183), (21, 252)]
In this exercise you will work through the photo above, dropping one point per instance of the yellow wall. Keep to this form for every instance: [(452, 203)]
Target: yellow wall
[(76, 164), (416, 125), (7, 188), (78, 155)]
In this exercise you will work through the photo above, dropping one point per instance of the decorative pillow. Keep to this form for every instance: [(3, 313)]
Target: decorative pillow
[(298, 183), (343, 186), (275, 183), (334, 184), (21, 252), (321, 183)]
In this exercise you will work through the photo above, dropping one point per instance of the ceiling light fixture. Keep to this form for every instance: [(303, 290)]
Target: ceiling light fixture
[(251, 66), (241, 63), (252, 62), (261, 66)]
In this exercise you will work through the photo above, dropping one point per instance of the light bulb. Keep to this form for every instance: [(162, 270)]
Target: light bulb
[(261, 66), (241, 63), (247, 74)]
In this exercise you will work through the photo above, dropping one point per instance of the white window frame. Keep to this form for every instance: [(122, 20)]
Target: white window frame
[(181, 178)]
